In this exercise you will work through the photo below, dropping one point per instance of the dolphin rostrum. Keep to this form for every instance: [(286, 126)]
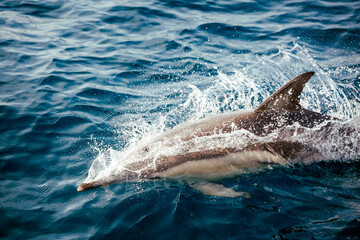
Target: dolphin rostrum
[(209, 162)]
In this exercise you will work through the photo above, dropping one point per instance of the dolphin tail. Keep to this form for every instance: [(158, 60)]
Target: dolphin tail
[(287, 97)]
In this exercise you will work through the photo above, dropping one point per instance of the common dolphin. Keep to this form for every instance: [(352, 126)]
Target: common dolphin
[(281, 110)]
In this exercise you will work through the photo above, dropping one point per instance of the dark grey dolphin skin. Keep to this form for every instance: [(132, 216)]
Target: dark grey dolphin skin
[(278, 111)]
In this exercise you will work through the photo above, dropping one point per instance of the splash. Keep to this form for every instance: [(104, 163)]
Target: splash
[(243, 90)]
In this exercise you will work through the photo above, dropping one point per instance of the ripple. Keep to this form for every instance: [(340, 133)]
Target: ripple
[(236, 32), (221, 7), (321, 7), (117, 19), (7, 42), (143, 11), (10, 119), (39, 10), (61, 63), (164, 78), (56, 81), (188, 32), (104, 96), (67, 122), (170, 45), (129, 74), (96, 111)]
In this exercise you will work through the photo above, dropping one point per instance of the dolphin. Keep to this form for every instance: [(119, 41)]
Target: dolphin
[(280, 112)]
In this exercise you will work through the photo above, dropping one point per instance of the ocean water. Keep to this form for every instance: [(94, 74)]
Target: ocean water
[(82, 83)]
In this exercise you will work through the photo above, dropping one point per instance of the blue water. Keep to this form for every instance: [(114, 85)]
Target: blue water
[(83, 81)]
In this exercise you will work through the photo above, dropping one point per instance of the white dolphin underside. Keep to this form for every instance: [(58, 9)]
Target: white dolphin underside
[(228, 166)]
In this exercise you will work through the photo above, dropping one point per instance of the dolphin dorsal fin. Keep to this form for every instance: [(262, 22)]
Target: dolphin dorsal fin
[(287, 97)]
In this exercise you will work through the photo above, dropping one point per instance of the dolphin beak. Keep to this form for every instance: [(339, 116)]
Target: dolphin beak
[(90, 185)]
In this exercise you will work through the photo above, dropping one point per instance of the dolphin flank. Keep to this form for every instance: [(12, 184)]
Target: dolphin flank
[(281, 110)]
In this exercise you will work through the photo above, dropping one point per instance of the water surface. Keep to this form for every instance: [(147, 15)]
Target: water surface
[(81, 82)]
